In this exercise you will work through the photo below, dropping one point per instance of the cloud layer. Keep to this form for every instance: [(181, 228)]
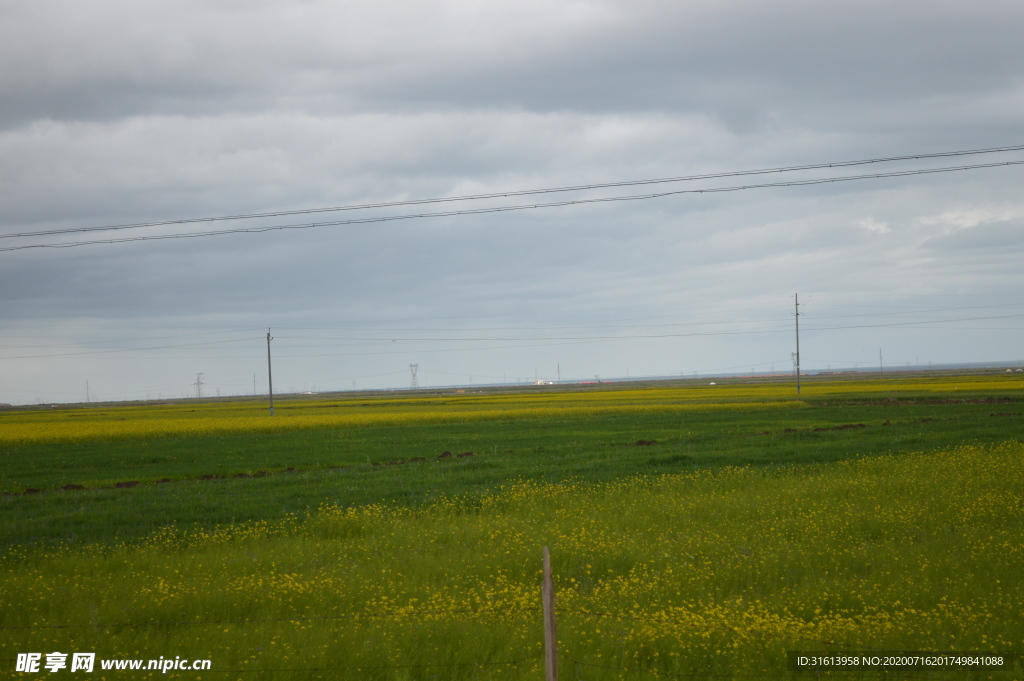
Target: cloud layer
[(118, 114)]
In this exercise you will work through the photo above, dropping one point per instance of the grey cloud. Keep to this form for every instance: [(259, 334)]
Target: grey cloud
[(992, 237), (120, 113), (740, 61)]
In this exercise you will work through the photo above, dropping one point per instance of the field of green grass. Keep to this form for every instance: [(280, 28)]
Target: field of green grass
[(694, 530)]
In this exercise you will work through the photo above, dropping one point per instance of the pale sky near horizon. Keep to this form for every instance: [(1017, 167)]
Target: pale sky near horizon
[(121, 113)]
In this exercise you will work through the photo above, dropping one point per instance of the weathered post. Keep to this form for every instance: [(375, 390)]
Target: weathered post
[(550, 631), (796, 299)]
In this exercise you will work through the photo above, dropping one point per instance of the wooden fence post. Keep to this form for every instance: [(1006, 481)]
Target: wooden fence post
[(550, 631)]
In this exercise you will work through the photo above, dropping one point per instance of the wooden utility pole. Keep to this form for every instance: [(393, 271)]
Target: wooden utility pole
[(796, 297), (550, 632), (270, 375)]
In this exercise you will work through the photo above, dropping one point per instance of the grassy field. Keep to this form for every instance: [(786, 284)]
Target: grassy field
[(695, 530), (539, 435)]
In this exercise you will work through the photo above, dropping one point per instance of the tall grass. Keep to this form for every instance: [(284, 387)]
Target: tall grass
[(708, 573)]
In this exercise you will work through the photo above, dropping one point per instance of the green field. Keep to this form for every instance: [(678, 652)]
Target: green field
[(694, 529)]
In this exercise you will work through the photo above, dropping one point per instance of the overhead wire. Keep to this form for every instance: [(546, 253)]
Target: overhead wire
[(605, 326), (525, 192), (517, 207), (124, 340), (666, 335), (612, 325), (531, 341), (155, 347)]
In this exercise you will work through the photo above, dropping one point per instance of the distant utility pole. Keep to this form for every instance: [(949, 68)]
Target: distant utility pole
[(559, 372), (270, 375), (796, 298), (880, 360), (415, 383), (254, 385), (199, 385), (87, 391)]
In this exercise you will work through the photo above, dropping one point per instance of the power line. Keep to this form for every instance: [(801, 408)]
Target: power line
[(155, 347), (663, 335), (614, 325), (552, 327), (123, 340), (524, 192), (558, 340), (506, 209), (926, 321), (618, 323), (608, 327)]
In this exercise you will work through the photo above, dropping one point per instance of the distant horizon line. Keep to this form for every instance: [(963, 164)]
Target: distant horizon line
[(904, 368)]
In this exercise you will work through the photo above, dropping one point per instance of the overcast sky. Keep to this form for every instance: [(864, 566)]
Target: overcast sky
[(115, 113)]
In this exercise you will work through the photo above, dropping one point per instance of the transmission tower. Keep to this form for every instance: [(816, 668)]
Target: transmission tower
[(413, 368), (199, 385)]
